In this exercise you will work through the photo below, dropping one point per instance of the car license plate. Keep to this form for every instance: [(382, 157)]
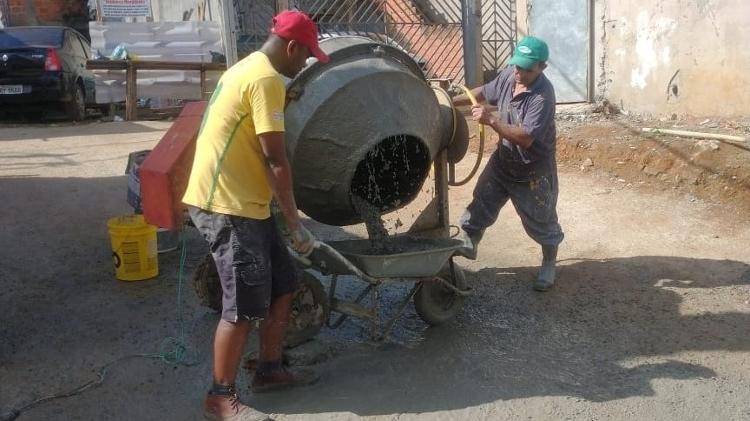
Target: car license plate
[(11, 89)]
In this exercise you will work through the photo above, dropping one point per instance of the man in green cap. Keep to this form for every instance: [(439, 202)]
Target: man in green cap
[(524, 168)]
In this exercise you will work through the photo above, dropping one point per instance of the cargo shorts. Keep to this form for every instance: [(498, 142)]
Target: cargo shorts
[(252, 260)]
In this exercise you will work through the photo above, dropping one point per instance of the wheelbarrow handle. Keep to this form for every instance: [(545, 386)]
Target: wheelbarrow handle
[(305, 261), (302, 259)]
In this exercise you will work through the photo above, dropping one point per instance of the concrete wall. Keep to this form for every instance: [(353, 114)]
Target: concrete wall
[(664, 57), (670, 56)]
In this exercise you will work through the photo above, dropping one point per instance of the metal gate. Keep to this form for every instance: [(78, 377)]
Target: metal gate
[(498, 35), (565, 26), (428, 30), (253, 24)]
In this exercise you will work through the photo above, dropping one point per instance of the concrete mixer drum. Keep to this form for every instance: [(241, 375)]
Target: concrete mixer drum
[(367, 124)]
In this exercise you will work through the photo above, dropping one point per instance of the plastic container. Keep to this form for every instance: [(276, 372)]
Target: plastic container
[(135, 159), (134, 248)]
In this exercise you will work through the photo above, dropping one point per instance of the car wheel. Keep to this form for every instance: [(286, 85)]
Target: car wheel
[(76, 108)]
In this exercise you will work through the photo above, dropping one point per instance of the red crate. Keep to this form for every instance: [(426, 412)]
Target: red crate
[(164, 173)]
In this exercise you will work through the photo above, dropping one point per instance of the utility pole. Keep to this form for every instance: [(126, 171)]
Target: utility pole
[(228, 31), (471, 22)]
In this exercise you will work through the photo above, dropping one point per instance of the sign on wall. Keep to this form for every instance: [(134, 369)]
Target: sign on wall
[(125, 8)]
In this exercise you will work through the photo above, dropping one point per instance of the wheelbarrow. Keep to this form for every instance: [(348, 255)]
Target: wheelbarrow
[(439, 286)]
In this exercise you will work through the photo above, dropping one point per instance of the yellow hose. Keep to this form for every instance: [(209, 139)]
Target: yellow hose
[(481, 140)]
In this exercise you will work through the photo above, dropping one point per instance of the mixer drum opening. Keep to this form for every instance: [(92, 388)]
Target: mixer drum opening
[(392, 173)]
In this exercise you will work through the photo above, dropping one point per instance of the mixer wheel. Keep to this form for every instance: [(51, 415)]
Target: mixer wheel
[(206, 283), (309, 305), (310, 309)]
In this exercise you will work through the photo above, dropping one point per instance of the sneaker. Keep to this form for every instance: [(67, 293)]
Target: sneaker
[(469, 247), (282, 378), (229, 408)]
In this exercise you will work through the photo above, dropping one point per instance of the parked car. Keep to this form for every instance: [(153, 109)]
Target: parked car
[(43, 66)]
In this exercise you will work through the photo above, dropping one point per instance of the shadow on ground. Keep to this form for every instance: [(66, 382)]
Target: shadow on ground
[(65, 315), (608, 329), (606, 332)]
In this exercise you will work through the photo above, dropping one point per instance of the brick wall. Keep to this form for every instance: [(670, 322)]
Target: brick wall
[(40, 12), (17, 12), (50, 11)]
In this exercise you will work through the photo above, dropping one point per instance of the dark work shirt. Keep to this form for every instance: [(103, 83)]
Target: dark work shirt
[(533, 110)]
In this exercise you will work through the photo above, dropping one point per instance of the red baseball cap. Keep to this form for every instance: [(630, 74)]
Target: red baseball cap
[(297, 26)]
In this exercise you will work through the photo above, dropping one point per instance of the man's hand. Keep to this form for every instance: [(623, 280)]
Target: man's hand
[(483, 115), (302, 240), (463, 99)]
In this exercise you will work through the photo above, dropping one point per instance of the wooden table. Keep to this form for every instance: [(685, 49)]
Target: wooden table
[(131, 76)]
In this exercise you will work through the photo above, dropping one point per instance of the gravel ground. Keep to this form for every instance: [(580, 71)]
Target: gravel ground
[(650, 318)]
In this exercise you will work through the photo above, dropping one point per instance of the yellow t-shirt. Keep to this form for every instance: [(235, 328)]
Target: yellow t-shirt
[(229, 169)]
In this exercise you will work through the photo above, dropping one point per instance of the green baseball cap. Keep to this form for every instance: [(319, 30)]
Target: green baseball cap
[(529, 51)]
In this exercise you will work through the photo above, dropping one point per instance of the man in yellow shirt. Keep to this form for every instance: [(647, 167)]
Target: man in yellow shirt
[(240, 164)]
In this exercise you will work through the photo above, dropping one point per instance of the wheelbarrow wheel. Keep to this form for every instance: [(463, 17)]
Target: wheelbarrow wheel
[(207, 284), (437, 304), (310, 309)]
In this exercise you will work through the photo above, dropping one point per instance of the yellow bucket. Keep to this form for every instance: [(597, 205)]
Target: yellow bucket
[(133, 248)]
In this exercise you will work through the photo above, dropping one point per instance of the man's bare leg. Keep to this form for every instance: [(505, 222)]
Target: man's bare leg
[(273, 328), (271, 374), (229, 344), (222, 401)]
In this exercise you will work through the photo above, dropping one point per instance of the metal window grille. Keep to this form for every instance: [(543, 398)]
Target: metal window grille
[(428, 30)]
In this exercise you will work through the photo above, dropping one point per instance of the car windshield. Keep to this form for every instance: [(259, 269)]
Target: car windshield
[(31, 37)]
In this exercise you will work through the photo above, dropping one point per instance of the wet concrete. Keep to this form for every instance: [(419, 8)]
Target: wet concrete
[(377, 234)]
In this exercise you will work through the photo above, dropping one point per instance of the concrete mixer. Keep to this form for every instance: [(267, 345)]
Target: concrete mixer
[(376, 121), (365, 126)]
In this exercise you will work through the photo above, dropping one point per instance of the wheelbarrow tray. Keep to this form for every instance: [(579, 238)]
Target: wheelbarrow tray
[(407, 257)]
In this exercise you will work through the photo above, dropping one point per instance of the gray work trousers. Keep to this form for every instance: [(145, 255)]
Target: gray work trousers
[(533, 193)]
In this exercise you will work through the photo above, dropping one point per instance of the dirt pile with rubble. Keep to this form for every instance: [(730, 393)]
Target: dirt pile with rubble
[(594, 140)]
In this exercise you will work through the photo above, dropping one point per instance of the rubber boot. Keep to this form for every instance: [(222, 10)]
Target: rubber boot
[(546, 278), (470, 245)]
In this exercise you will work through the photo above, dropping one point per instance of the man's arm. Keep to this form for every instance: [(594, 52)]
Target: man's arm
[(515, 135), (540, 114), (463, 99), (280, 176), (266, 100)]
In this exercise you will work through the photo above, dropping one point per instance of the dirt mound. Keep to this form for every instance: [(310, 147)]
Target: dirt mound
[(715, 171), (711, 170)]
